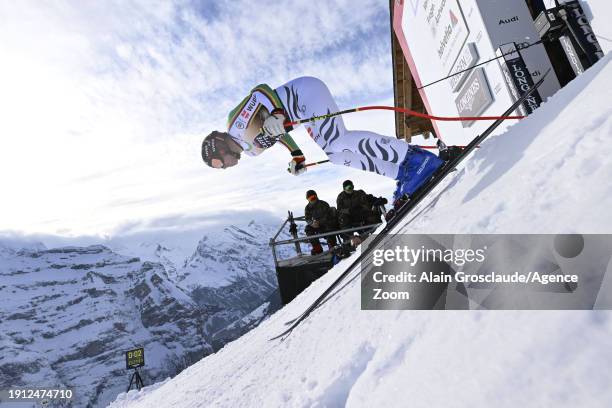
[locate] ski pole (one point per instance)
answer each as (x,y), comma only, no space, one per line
(436,147)
(316,163)
(313,164)
(383,210)
(402,110)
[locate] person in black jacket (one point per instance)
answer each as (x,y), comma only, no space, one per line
(356,208)
(320,218)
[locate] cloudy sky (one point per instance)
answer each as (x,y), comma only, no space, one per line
(104,105)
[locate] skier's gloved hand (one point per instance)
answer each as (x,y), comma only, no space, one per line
(297,165)
(273,125)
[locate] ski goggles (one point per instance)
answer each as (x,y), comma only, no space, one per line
(350,187)
(312,198)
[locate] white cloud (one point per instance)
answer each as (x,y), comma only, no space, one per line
(105,104)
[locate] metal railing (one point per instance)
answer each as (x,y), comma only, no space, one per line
(297,240)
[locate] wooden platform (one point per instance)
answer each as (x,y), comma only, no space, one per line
(406,94)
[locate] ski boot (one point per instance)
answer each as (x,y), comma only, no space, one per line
(418,166)
(416,169)
(448,153)
(398,202)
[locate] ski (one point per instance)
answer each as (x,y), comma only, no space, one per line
(419,195)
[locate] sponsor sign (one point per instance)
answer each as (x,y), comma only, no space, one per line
(474,97)
(511,22)
(512,89)
(444,37)
(583,31)
(572,54)
(467,59)
(239,123)
(519,77)
(508,20)
(447,27)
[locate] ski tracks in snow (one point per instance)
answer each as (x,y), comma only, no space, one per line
(337,393)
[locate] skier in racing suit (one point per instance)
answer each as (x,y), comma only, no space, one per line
(257,123)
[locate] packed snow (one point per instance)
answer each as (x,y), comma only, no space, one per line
(550,173)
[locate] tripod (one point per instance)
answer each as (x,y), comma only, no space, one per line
(135,376)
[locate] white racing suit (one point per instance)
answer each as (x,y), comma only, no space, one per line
(306,97)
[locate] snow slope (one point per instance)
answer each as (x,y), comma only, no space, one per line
(548,174)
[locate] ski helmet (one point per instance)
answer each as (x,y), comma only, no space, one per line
(214,146)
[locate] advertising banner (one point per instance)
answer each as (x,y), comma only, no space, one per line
(474,97)
(447,28)
(518,77)
(460,71)
(442,39)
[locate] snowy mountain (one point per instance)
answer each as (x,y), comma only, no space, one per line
(550,173)
(68,314)
(232,273)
